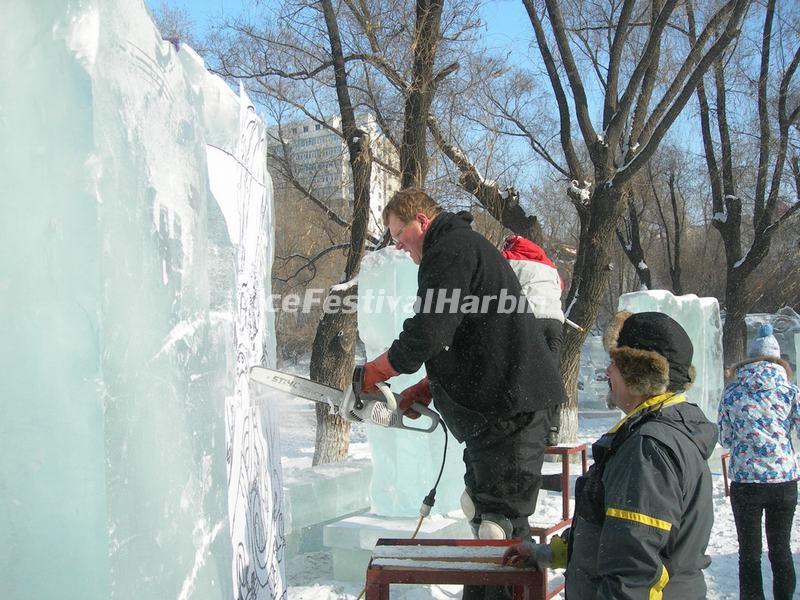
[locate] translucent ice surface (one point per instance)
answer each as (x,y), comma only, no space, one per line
(785,326)
(135,245)
(700,318)
(405,464)
(593,383)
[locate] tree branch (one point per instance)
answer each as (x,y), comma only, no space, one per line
(725,38)
(310,262)
(565,120)
(763,114)
(614,59)
(616,125)
(502,204)
(697,45)
(573,74)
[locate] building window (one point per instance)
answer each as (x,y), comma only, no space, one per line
(317,127)
(305,128)
(294,129)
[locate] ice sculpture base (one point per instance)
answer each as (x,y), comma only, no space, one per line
(316,496)
(351,540)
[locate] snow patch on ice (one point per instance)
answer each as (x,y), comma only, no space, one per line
(83,38)
(383,257)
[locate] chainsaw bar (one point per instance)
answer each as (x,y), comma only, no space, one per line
(298,386)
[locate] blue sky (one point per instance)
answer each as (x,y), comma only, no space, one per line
(508,29)
(506,22)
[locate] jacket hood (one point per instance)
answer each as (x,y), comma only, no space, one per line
(761,373)
(688,417)
(517,247)
(444,223)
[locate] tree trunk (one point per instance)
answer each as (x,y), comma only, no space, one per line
(734,331)
(332,361)
(589,282)
(570,367)
(333,352)
(413,150)
(675,267)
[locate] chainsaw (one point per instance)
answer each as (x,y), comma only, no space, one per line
(351,404)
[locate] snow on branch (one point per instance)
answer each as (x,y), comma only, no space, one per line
(581,194)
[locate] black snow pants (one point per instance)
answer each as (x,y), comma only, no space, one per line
(778,502)
(504,474)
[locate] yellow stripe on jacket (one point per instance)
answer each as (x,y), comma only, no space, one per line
(657,591)
(639,518)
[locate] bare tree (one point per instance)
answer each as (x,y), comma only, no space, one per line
(650,188)
(632,125)
(733,190)
(333,353)
(672,235)
(383,65)
(419,94)
(176,25)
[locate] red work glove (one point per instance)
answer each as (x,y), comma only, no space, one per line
(419,392)
(376,371)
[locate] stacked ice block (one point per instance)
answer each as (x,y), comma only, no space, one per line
(700,318)
(405,464)
(132,303)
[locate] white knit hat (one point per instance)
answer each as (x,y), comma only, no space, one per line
(765,344)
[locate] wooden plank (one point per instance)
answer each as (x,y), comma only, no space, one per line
(443,563)
(442,552)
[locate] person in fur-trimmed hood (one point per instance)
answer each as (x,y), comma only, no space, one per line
(643,511)
(758,411)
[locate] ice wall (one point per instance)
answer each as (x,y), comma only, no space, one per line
(135,260)
(405,463)
(593,380)
(785,325)
(700,318)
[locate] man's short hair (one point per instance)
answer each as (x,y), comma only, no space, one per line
(406,203)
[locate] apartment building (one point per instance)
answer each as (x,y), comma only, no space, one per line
(317,158)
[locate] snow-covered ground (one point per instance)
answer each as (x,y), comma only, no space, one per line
(310,575)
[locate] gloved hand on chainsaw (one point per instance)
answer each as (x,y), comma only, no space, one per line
(419,392)
(376,371)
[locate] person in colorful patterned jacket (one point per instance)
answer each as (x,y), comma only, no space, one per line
(758,411)
(643,511)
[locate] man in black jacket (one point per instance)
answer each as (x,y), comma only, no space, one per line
(489,369)
(643,512)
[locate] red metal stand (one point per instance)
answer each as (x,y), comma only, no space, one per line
(429,561)
(543,533)
(416,563)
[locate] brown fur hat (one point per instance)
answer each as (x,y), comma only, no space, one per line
(652,352)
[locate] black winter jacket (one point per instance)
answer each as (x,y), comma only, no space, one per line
(643,512)
(484,365)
